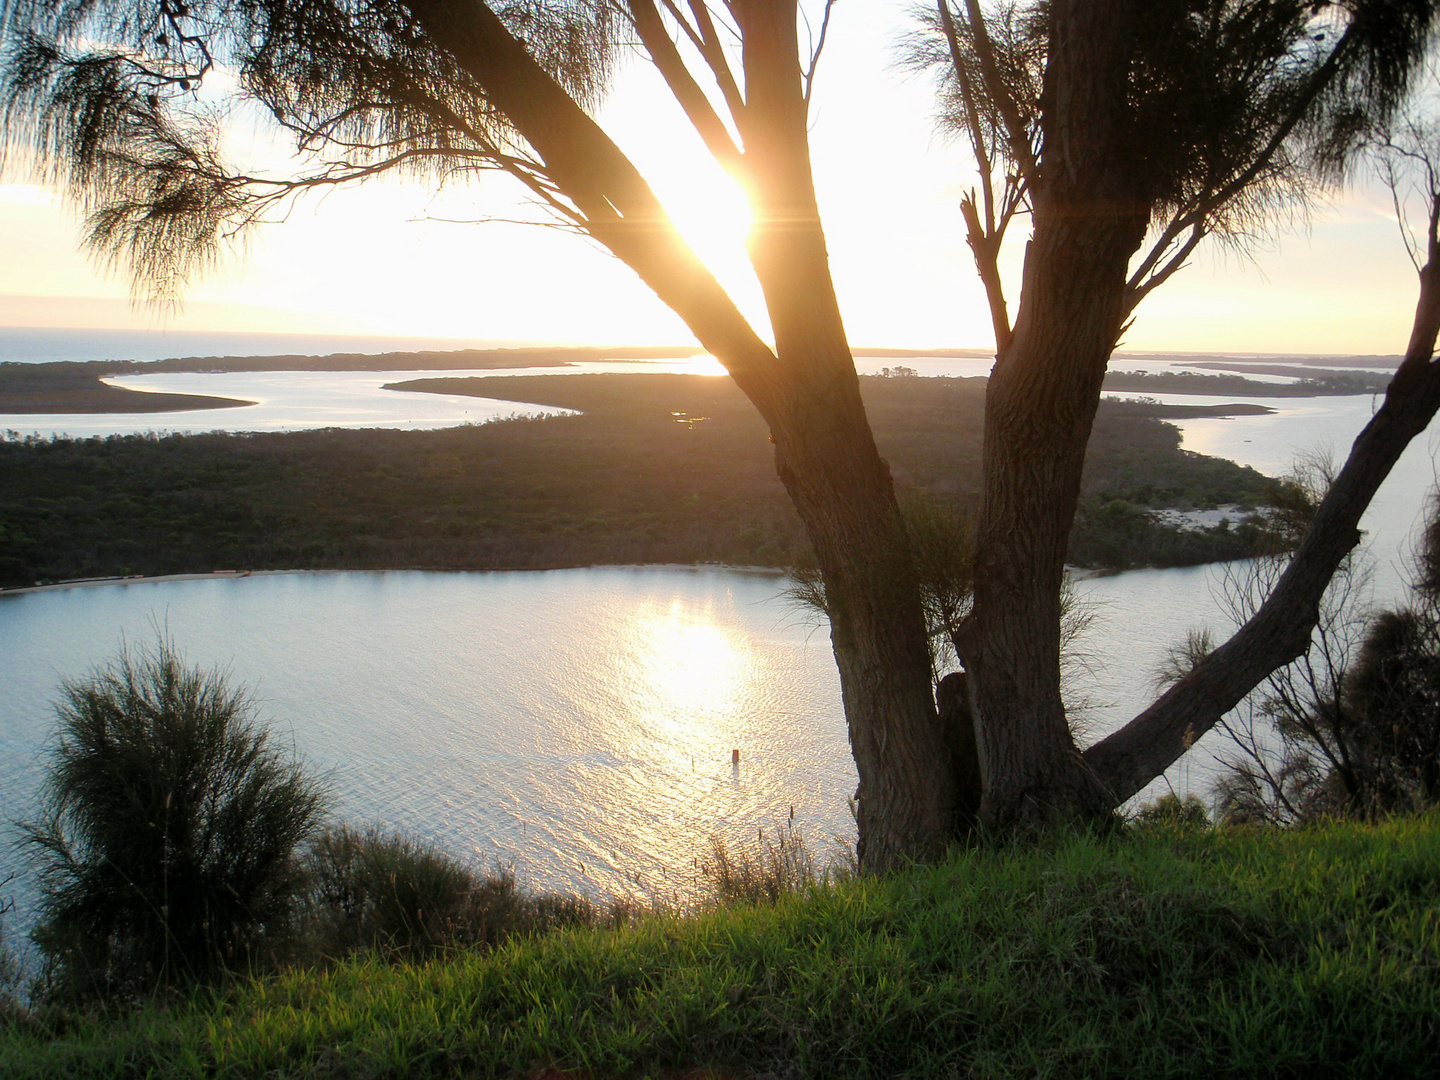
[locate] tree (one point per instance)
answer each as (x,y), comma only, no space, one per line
(169,829)
(1115,124)
(98,91)
(1352,729)
(103,94)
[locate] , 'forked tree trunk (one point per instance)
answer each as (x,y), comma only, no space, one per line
(806,389)
(1092,192)
(827,459)
(1039,407)
(1038,415)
